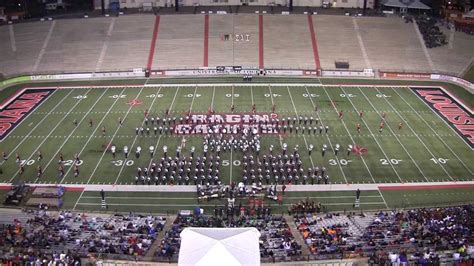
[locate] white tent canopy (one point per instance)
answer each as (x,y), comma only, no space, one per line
(219,246)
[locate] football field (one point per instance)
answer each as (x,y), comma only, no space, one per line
(414,144)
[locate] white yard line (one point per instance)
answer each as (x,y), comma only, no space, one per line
(376,141)
(43,48)
(113,136)
(361,43)
(97,127)
(136,135)
(231,150)
(104,46)
(12,37)
(416,135)
(271,93)
(322,124)
(396,137)
(192,101)
(381,195)
(50,132)
(350,136)
(435,133)
(213,94)
(159,138)
(89,139)
(70,134)
(251,94)
(296,113)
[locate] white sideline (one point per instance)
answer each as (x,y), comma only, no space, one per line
(32,112)
(50,132)
(18,145)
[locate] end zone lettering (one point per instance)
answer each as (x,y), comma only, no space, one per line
(458,117)
(228,124)
(13,113)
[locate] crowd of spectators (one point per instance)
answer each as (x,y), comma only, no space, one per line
(276,238)
(304,206)
(390,236)
(432,35)
(111,234)
(32,257)
(397,237)
(119,234)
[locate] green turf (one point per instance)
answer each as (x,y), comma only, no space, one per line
(469,75)
(415,145)
(171,202)
(429,198)
(411,150)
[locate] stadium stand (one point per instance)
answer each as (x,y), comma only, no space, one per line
(246,53)
(418,236)
(337,40)
(432,36)
(275,240)
(73,39)
(455,56)
(132,34)
(390,43)
(390,236)
(177,46)
(287,37)
(40,231)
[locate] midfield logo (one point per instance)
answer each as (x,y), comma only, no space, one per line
(454,113)
(228,124)
(19,107)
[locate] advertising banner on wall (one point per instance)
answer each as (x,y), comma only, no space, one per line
(402,75)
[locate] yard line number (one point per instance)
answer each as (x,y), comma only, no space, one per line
(347,95)
(66,163)
(390,161)
(439,160)
(268,95)
(234,162)
(341,162)
(312,95)
(154,96)
(192,95)
(229,95)
(121,162)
